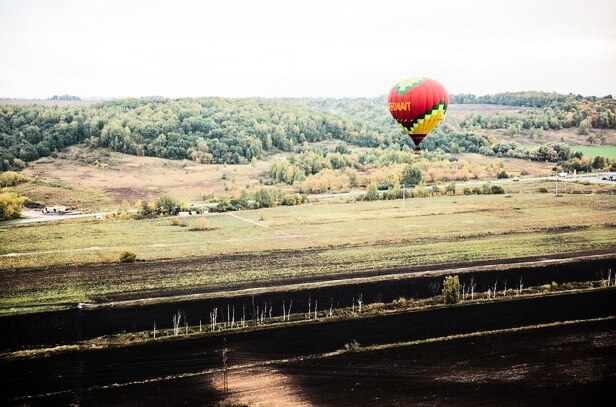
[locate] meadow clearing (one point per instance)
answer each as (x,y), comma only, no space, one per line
(285,242)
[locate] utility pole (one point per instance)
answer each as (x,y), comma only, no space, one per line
(225,373)
(556,184)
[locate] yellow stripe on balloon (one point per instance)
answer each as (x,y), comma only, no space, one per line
(425,125)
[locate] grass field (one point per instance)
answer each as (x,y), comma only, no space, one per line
(593,151)
(282,242)
(98,179)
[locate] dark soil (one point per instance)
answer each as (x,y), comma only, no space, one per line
(559,366)
(564,366)
(76,372)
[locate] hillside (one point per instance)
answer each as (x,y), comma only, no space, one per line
(235,131)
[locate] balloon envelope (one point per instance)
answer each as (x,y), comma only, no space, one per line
(418,104)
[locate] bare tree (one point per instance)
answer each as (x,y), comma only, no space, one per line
(464,291)
(213,318)
(284,314)
(233,317)
(200,328)
(331,306)
(494,291)
(520,286)
(309,306)
(315,309)
(154,331)
(360,301)
(472,287)
(504,287)
(289,313)
(176,322)
(353,305)
(253,308)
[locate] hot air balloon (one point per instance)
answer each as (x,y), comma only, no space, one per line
(418,104)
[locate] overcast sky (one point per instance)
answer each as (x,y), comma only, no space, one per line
(303,48)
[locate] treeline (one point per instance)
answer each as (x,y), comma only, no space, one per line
(64,97)
(208,130)
(221,130)
(527,99)
(552,110)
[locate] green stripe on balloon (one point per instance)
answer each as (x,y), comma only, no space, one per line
(408,86)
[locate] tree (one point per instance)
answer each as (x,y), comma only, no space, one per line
(599,162)
(497,189)
(411,176)
(167,205)
(264,199)
(372,193)
(451,290)
(502,175)
(584,128)
(11,205)
(145,209)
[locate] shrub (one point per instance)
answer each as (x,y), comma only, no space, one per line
(342,149)
(497,189)
(11,178)
(394,193)
(293,199)
(502,175)
(372,194)
(167,205)
(400,302)
(11,205)
(352,346)
(201,224)
(265,198)
(451,290)
(177,222)
(127,257)
(145,210)
(411,176)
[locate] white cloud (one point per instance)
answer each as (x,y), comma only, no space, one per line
(312,48)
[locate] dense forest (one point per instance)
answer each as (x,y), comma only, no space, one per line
(221,130)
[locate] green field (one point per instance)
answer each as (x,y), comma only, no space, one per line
(593,151)
(282,242)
